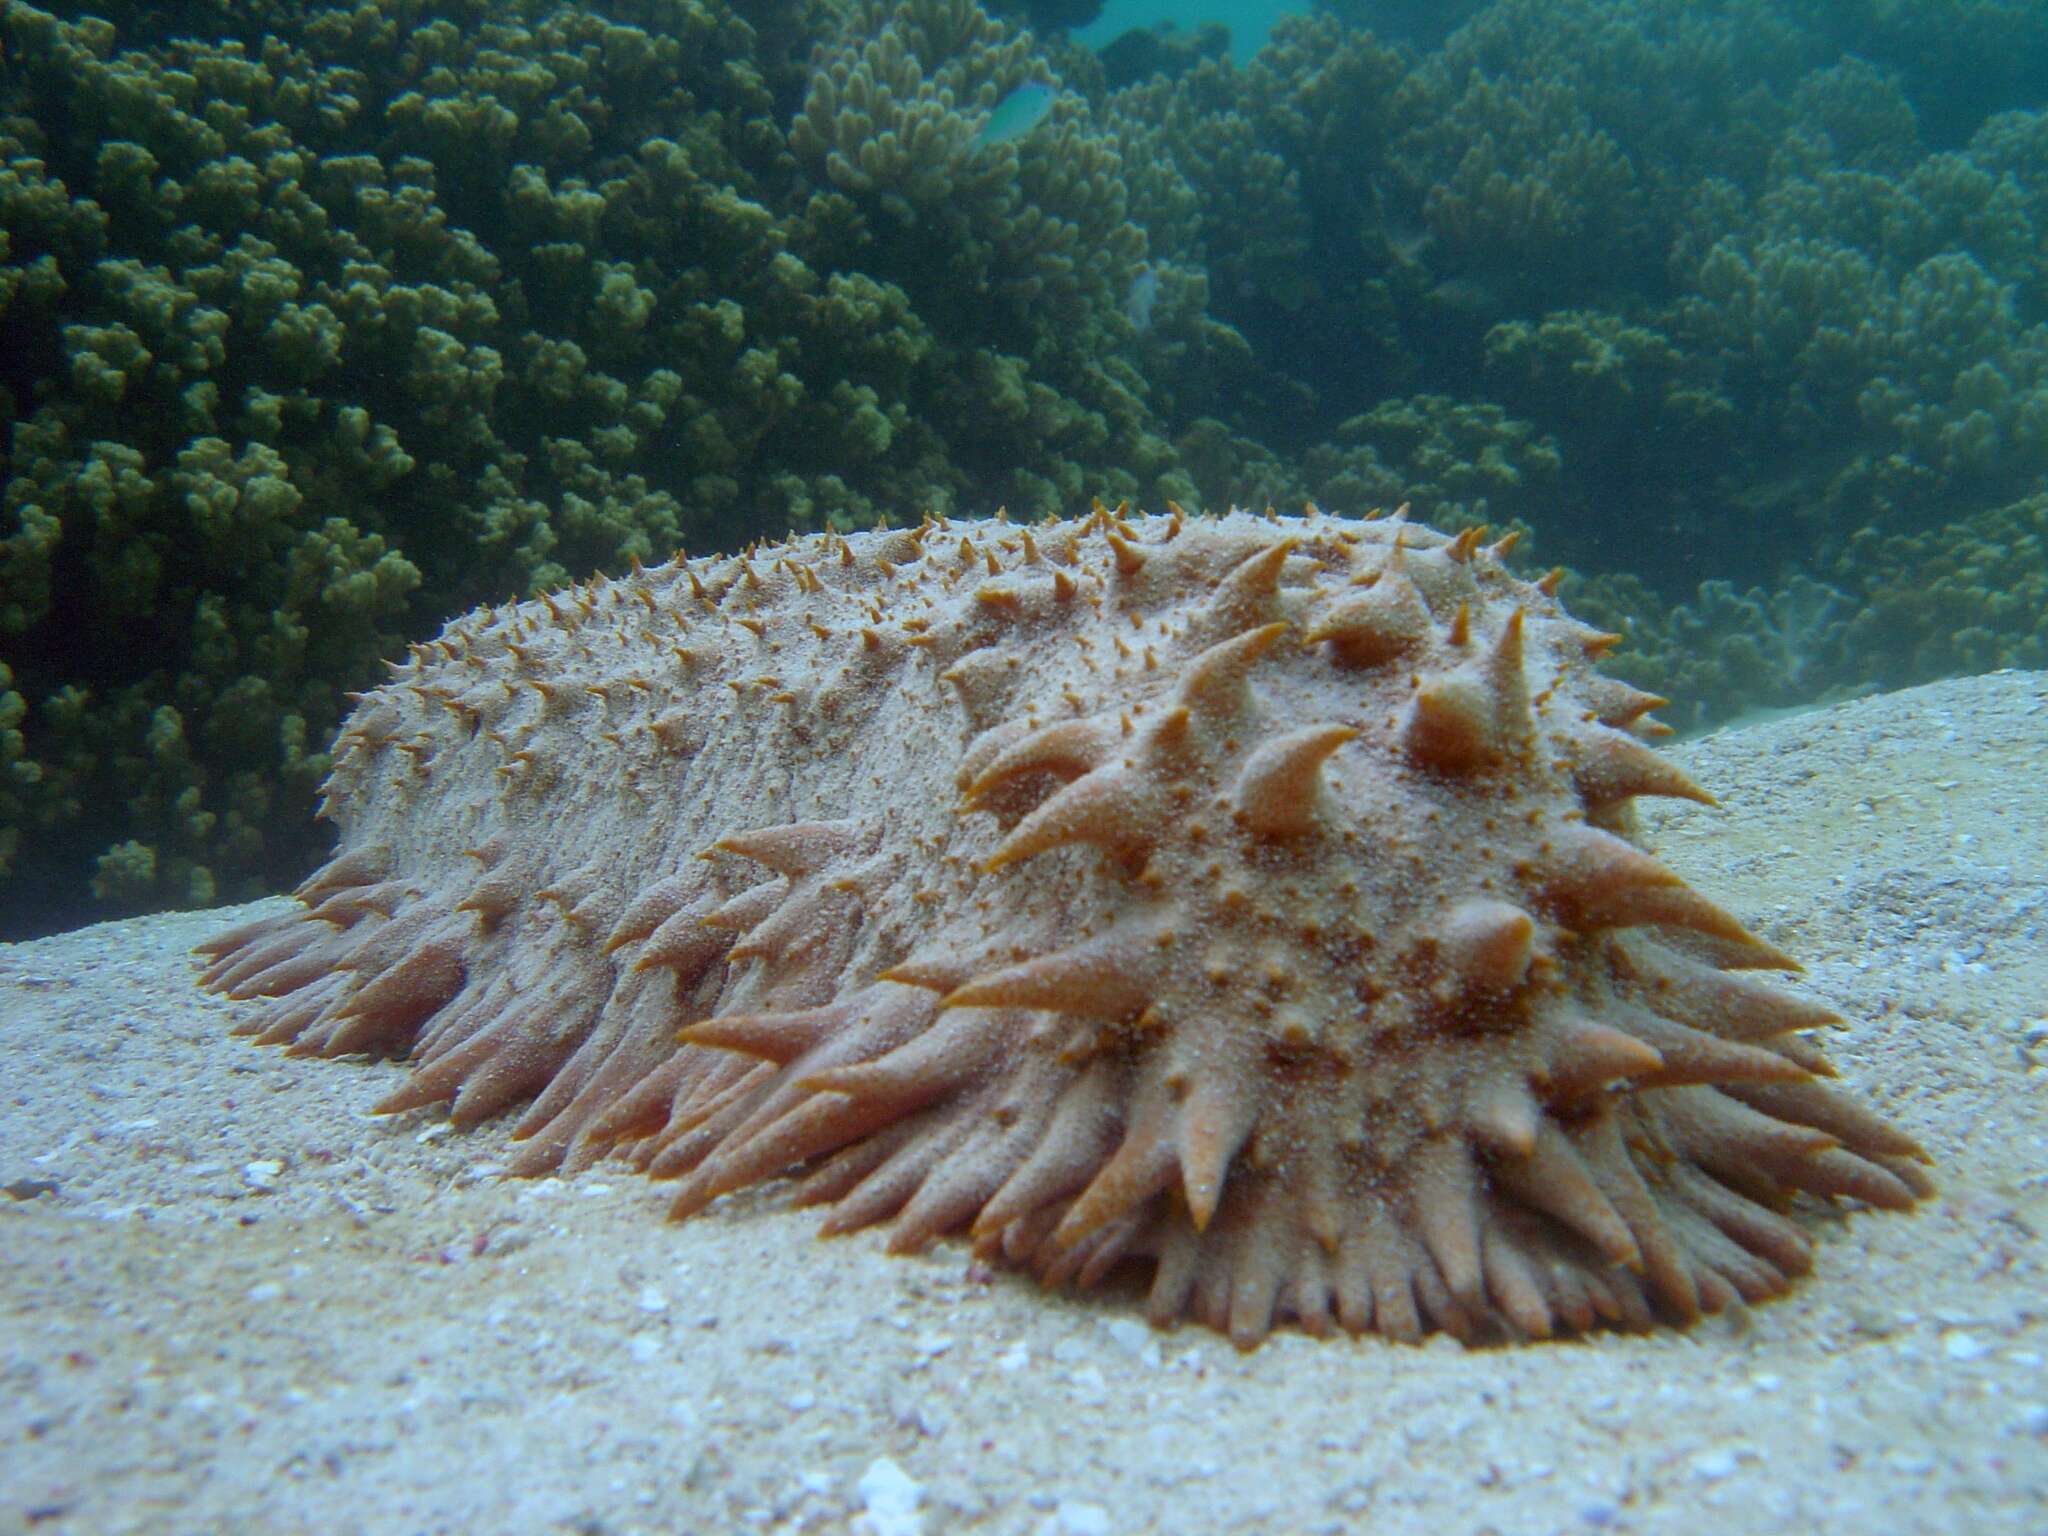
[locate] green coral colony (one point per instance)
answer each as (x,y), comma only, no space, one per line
(358,313)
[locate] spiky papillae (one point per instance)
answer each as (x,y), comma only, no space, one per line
(1252,898)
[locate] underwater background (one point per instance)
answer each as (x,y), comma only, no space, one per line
(321,322)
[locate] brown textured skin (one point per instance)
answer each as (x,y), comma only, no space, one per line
(1249,897)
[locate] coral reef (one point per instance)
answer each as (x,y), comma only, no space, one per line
(1895,610)
(1249,897)
(322,321)
(1461,464)
(311,340)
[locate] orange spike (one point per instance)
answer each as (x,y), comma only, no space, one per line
(360,866)
(1508,682)
(1129,558)
(1250,594)
(1808,1103)
(1556,1180)
(982,678)
(1615,703)
(404,994)
(1072,1148)
(1108,808)
(275,970)
(496,894)
(1695,1056)
(1803,1053)
(1511,1282)
(777,1037)
(649,910)
(1504,1118)
(1213,684)
(1166,736)
(1374,625)
(1143,1164)
(1486,945)
(1214,1121)
(1722,1003)
(1449,724)
(794,848)
(749,909)
(1104,978)
(1003,598)
(1613,767)
(1597,880)
(923,1067)
(1069,749)
(1599,642)
(1719,1131)
(934,973)
(985,748)
(1445,1189)
(1584,1056)
(1275,794)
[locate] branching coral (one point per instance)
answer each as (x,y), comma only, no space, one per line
(1524,191)
(362,312)
(1969,597)
(488,299)
(898,104)
(1458,464)
(1639,411)
(1260,178)
(1894,610)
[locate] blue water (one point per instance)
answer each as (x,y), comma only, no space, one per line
(1250,21)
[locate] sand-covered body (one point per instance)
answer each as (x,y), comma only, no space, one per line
(1248,897)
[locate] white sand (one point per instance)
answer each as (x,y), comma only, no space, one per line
(243,1304)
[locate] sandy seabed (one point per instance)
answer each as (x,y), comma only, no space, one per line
(231,1300)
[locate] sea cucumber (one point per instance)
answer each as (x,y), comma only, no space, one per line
(1248,899)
